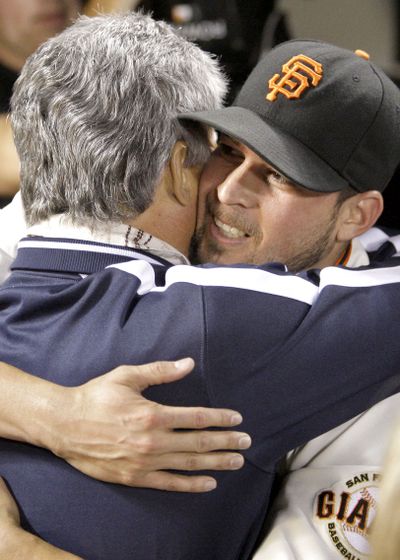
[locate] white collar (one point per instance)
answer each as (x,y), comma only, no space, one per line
(114,233)
(358,255)
(111,233)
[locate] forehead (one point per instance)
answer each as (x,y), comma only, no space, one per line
(247,152)
(260,163)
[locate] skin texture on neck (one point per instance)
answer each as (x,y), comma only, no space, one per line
(173,212)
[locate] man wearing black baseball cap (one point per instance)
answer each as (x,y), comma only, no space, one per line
(303,156)
(304,153)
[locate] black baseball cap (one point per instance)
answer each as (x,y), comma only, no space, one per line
(324,116)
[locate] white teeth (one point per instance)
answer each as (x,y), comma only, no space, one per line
(228,230)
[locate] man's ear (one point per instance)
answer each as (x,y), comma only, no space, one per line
(358,214)
(184,180)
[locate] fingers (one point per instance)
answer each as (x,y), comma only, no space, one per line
(179,483)
(201,462)
(196,442)
(192,418)
(155,373)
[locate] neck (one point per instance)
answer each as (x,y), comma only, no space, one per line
(110,233)
(166,228)
(172,223)
(343,258)
(338,255)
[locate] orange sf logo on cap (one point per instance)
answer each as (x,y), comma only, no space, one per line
(300,73)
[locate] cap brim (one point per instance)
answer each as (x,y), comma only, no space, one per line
(283,152)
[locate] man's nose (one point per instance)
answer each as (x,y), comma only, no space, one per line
(235,189)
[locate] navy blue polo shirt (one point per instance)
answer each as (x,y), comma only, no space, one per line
(279,348)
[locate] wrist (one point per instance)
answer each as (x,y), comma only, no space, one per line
(18,544)
(13,545)
(39,417)
(54,407)
(28,406)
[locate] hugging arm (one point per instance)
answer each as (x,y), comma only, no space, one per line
(17,544)
(108,430)
(9,169)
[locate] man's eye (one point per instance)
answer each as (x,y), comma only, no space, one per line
(226,151)
(275,177)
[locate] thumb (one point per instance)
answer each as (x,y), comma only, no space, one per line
(155,373)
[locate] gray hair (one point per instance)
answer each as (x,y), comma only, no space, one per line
(94,114)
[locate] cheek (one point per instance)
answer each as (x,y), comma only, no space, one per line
(201,205)
(208,178)
(279,210)
(209,181)
(304,212)
(285,220)
(215,171)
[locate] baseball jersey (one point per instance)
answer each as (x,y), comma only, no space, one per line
(329,496)
(279,348)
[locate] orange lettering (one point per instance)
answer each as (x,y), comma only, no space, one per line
(297,74)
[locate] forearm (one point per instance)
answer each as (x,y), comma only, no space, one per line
(9,168)
(30,407)
(18,544)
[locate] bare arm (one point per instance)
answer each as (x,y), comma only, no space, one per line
(108,430)
(9,162)
(17,544)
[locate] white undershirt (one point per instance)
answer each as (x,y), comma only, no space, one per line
(13,227)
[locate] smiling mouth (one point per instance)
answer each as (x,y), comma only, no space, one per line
(229,231)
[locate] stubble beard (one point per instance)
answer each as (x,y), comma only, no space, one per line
(310,255)
(303,257)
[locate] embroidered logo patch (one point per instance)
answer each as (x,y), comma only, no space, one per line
(300,73)
(344,514)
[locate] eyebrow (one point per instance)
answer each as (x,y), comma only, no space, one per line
(238,143)
(284,177)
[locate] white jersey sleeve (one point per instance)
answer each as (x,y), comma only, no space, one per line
(328,501)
